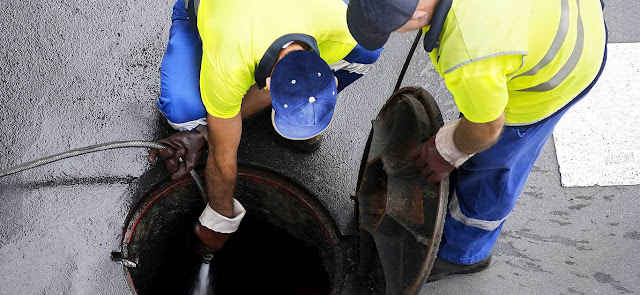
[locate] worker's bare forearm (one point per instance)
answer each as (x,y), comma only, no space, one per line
(473,138)
(221,180)
(222,166)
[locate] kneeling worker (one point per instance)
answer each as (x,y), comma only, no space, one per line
(214,73)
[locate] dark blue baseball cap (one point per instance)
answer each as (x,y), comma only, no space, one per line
(303,95)
(371,22)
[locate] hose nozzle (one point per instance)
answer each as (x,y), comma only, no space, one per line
(207,258)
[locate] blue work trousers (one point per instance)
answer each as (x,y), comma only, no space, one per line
(486,188)
(180,100)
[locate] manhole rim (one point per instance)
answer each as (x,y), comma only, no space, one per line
(323,217)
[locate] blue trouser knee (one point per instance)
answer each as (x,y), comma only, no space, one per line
(486,187)
(180,100)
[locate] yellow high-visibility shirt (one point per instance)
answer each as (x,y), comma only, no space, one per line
(528,58)
(237,33)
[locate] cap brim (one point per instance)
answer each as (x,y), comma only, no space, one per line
(366,35)
(292,131)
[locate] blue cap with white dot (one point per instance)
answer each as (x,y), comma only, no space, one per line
(303,95)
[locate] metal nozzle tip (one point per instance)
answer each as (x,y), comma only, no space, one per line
(207,258)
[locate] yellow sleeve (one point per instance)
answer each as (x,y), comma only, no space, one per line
(222,88)
(480,88)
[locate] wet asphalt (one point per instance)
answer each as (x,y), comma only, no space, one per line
(76,74)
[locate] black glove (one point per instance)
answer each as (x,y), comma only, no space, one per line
(186,145)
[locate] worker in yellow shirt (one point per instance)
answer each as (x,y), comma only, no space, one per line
(514,68)
(226,60)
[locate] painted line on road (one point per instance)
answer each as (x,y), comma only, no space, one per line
(598,140)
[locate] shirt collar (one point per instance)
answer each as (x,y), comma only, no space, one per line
(437,22)
(271,55)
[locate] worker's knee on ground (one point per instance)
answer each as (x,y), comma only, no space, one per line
(180,100)
(182,109)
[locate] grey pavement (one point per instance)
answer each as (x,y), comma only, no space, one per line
(79,73)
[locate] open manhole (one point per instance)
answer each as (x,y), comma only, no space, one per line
(286,244)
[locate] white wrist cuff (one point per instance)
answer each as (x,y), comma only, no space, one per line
(446,145)
(220,223)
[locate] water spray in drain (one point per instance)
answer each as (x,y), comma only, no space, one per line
(202,281)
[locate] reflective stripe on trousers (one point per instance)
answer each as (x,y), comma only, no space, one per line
(487,188)
(488,185)
(456,213)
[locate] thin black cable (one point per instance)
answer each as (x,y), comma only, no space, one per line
(408,60)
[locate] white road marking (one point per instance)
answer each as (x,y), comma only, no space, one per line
(598,140)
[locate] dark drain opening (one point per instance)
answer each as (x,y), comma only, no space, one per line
(264,259)
(287,243)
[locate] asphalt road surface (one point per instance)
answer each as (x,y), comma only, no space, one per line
(74,74)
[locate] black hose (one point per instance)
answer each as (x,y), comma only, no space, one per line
(96,148)
(201,186)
